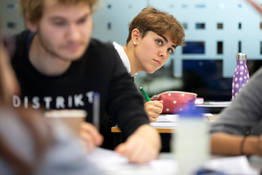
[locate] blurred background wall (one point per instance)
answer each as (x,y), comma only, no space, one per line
(216,30)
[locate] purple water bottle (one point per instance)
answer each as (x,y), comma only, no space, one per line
(241,75)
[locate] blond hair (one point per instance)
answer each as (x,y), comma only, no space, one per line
(32,10)
(151,19)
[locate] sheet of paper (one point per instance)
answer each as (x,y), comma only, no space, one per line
(112,163)
(165,121)
(171,120)
(232,165)
(216,104)
(167,125)
(167,118)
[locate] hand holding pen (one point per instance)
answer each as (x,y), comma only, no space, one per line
(152,108)
(90,133)
(145,94)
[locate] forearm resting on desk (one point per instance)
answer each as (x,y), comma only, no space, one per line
(228,144)
(142,146)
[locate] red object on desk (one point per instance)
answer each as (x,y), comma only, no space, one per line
(175,101)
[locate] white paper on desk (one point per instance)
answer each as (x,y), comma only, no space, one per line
(232,165)
(112,163)
(165,121)
(174,117)
(221,104)
(107,160)
(170,125)
(167,118)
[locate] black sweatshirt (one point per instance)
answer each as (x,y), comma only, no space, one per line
(99,70)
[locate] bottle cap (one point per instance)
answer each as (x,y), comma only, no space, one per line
(192,112)
(241,57)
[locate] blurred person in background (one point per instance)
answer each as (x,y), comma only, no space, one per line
(29,144)
(153,37)
(238,130)
(59,66)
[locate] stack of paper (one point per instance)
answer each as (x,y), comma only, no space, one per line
(166,121)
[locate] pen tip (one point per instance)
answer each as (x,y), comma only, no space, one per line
(140,87)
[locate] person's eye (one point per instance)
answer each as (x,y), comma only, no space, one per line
(159,42)
(59,23)
(170,51)
(81,21)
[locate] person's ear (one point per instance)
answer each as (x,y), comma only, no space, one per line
(31,26)
(135,36)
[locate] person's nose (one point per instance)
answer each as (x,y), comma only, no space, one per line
(163,53)
(73,33)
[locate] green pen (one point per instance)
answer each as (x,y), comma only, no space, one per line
(144,93)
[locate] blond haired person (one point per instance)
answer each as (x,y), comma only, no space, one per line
(59,66)
(153,37)
(29,144)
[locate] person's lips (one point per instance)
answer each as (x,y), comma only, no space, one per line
(157,62)
(73,47)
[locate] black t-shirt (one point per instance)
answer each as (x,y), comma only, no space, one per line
(99,70)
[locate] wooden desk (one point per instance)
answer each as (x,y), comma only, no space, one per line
(115,129)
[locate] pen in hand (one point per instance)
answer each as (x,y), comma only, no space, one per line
(145,94)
